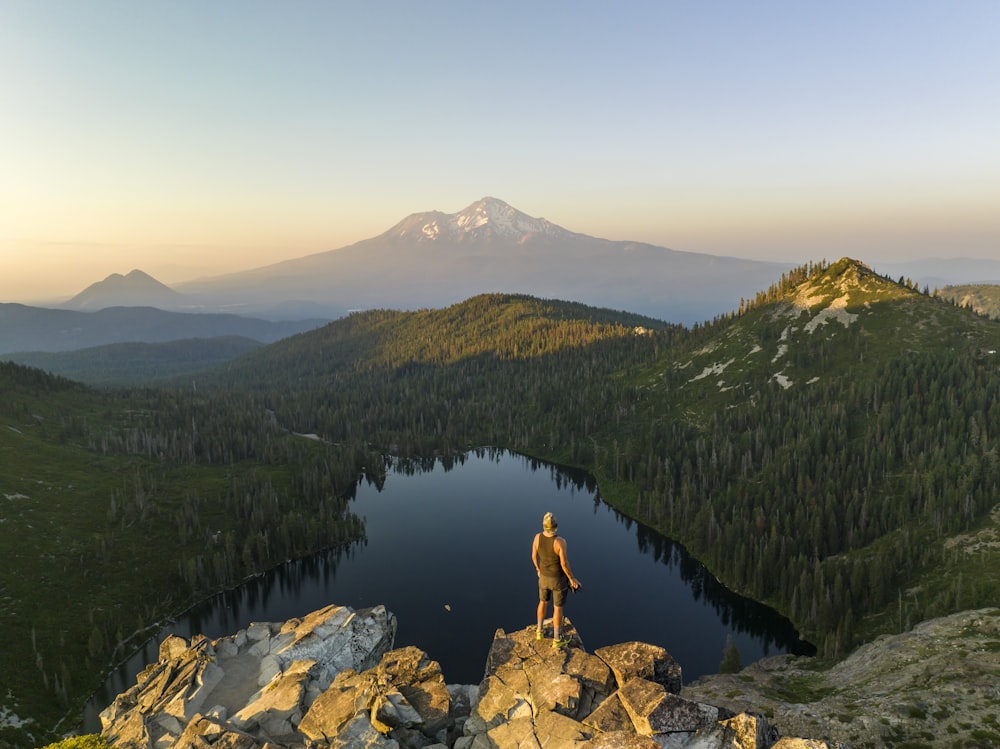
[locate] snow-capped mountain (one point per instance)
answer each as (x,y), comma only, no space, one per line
(484,221)
(434,259)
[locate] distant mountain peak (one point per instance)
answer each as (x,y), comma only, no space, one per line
(136,289)
(133,278)
(486,219)
(844,282)
(434,259)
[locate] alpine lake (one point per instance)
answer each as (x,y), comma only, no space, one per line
(447,549)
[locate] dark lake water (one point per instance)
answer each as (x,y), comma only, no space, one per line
(448,551)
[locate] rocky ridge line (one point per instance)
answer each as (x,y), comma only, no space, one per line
(332,679)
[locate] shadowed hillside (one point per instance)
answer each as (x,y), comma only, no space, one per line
(136,363)
(24,328)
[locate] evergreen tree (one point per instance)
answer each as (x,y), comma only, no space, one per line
(731,662)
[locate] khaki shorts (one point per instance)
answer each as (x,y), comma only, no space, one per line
(556,587)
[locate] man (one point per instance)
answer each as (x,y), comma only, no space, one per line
(555,578)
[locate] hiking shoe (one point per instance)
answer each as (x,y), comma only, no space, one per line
(560,642)
(539,635)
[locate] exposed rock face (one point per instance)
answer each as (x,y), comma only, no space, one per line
(632,659)
(404,696)
(254,686)
(620,696)
(331,679)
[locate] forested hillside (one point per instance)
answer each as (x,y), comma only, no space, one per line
(24,328)
(119,364)
(106,529)
(816,449)
(819,450)
(126,507)
(983,298)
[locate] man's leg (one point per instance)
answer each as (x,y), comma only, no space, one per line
(541,614)
(557,617)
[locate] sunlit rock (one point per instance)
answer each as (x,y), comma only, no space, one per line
(265,677)
(331,679)
(629,660)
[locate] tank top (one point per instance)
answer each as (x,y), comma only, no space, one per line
(548,560)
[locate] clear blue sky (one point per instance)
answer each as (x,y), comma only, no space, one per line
(190,138)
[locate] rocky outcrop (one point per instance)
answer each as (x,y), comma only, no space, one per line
(250,688)
(333,680)
(404,697)
(620,696)
(935,686)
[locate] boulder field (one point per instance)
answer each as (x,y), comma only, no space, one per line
(333,679)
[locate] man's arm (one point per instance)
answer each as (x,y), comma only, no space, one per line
(560,548)
(534,555)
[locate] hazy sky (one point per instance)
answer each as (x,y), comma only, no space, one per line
(190,138)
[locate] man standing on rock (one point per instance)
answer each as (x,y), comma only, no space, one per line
(555,578)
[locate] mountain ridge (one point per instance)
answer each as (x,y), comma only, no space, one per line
(485,220)
(983,298)
(791,335)
(434,259)
(135,289)
(136,363)
(33,329)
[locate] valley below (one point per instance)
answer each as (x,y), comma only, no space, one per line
(827,449)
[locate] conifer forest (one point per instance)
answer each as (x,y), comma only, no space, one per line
(819,466)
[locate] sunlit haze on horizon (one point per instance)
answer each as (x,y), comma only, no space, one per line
(195,139)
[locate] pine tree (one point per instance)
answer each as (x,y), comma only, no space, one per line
(731,662)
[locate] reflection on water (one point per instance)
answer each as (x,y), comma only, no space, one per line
(447,549)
